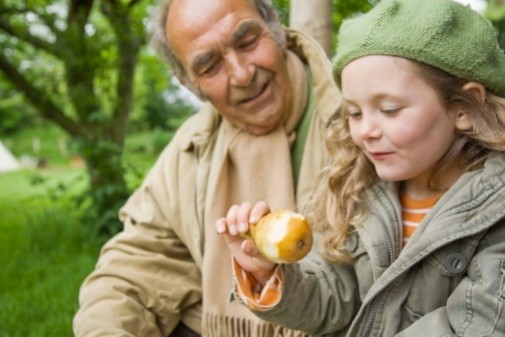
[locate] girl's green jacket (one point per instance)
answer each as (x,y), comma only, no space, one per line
(449,280)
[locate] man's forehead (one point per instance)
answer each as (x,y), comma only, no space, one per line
(188,13)
(239,32)
(213,21)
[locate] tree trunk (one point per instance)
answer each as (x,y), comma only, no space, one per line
(313,17)
(99,128)
(107,186)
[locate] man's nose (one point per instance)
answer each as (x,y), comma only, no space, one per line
(240,70)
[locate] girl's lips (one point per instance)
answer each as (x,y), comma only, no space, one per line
(380,155)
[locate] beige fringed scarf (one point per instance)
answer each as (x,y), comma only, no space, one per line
(249,168)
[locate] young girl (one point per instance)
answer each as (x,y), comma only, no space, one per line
(412,208)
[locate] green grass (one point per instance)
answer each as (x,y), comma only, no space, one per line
(45,254)
(142,149)
(41,142)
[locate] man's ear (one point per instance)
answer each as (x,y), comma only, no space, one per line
(189,85)
(477,90)
(182,81)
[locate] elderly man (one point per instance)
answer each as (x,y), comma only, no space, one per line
(260,136)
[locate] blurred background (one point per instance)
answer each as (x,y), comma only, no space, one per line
(85,109)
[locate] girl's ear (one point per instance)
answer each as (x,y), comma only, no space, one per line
(476,89)
(463,120)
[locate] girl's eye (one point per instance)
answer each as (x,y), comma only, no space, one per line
(390,111)
(354,114)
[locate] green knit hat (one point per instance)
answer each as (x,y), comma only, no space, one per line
(441,33)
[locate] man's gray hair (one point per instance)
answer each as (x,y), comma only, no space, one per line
(158,38)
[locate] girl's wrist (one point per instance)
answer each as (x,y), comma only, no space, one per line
(263,276)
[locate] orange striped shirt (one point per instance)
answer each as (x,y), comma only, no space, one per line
(413,212)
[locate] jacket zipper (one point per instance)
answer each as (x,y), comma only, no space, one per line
(371,317)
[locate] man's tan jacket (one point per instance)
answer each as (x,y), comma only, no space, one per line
(148,277)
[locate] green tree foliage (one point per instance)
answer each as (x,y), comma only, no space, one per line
(81,64)
(348,8)
(14,112)
(341,10)
(159,104)
(282,7)
(75,61)
(495,12)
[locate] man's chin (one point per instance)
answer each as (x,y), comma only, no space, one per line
(261,123)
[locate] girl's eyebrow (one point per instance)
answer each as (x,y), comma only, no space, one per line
(348,100)
(377,97)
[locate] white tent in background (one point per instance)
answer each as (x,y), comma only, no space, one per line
(7,161)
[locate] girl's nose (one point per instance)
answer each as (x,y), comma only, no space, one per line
(369,128)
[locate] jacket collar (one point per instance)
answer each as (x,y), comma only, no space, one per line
(303,45)
(471,206)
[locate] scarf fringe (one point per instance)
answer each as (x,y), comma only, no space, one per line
(223,326)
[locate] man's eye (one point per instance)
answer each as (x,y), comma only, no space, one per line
(210,69)
(247,43)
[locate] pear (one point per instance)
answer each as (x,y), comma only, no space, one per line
(282,236)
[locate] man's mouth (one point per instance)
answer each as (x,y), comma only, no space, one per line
(256,95)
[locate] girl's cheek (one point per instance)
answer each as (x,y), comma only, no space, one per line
(355,138)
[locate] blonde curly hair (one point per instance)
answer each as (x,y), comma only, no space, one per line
(337,207)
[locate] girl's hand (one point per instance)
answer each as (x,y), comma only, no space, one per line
(234,227)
